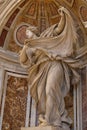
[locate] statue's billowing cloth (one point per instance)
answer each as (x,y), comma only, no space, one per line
(51,59)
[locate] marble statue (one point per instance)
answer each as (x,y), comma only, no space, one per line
(52,62)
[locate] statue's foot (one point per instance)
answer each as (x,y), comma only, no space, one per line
(41,119)
(43,124)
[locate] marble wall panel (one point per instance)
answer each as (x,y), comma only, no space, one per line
(15,104)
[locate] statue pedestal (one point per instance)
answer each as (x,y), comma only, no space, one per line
(42,128)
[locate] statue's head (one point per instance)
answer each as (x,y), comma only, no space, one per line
(31,31)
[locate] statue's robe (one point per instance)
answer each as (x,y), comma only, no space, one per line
(53,68)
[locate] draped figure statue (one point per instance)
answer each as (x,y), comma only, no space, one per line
(52,64)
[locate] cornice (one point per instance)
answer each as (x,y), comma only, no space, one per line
(9,60)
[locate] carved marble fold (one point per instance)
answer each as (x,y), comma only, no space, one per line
(52,63)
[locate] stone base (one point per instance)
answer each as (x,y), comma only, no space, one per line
(42,128)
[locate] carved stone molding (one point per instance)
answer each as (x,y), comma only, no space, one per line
(6,8)
(10,62)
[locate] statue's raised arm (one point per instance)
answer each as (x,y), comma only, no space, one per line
(62,37)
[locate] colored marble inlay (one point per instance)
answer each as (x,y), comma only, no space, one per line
(3,36)
(15,104)
(12,17)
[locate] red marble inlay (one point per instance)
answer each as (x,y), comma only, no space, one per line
(12,17)
(3,36)
(15,104)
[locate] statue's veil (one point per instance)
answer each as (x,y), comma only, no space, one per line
(61,44)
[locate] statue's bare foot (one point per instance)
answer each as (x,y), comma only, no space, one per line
(42,121)
(43,124)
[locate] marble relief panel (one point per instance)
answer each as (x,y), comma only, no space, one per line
(15,104)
